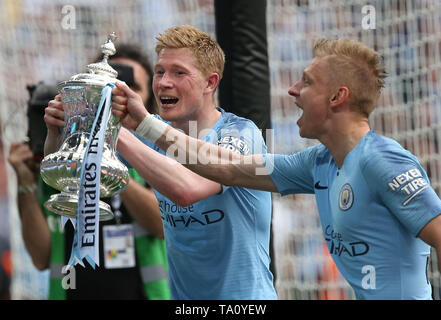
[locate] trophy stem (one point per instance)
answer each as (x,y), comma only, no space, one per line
(66,204)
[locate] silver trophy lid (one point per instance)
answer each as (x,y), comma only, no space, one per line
(99,73)
(108,49)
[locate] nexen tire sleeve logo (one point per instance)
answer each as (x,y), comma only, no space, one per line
(410,183)
(234,144)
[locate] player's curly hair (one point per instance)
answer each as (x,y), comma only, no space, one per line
(209,55)
(356,66)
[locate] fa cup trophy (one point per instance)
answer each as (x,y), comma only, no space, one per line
(81,97)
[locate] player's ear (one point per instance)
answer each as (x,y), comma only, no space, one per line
(212,81)
(340,95)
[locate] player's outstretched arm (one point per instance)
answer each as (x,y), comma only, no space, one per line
(203,158)
(431,234)
(208,160)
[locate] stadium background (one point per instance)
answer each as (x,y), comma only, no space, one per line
(42,40)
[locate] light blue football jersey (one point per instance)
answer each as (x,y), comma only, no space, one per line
(218,248)
(371,211)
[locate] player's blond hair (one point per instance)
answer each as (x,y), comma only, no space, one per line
(356,66)
(207,52)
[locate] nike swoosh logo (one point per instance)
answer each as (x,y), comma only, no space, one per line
(318,186)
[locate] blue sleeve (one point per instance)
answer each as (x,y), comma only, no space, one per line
(403,186)
(292,173)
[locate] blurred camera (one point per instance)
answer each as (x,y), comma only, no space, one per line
(125,72)
(40,95)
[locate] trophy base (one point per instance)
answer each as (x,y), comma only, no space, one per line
(67,204)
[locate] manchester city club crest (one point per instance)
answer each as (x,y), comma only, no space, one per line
(346,198)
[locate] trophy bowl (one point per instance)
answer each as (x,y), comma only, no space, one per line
(61,170)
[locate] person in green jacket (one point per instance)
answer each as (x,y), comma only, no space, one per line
(142,271)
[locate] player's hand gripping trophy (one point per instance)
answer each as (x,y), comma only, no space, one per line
(81,97)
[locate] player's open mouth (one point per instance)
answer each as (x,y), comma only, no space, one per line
(168,100)
(299,113)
